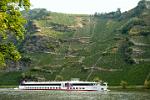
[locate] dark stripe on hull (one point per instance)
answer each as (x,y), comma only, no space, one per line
(59,89)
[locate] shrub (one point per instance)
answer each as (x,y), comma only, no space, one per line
(127,26)
(59,78)
(36,69)
(124,84)
(27,76)
(26,59)
(147,84)
(96,79)
(145,33)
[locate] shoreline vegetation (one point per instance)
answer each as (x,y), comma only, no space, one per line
(135,88)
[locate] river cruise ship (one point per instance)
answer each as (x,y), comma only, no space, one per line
(64,85)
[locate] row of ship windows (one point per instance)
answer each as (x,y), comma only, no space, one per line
(43,87)
(53,88)
(76,88)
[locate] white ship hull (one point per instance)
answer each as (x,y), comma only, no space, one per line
(64,86)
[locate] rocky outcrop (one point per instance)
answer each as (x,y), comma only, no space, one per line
(40,43)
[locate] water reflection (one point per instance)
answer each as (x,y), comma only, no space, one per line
(6,94)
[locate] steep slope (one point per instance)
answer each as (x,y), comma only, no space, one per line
(111,46)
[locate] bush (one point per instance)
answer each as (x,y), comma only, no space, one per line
(124,84)
(59,78)
(36,69)
(132,22)
(147,84)
(96,79)
(27,76)
(26,59)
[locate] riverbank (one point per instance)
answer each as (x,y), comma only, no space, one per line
(8,86)
(129,88)
(111,88)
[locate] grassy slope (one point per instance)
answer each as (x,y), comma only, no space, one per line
(101,33)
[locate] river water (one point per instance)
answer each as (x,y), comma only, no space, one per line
(10,94)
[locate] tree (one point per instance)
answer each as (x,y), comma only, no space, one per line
(11,28)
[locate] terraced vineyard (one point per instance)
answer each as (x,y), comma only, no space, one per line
(65,46)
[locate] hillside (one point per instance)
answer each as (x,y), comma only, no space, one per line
(112,46)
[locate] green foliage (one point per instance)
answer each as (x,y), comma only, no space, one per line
(147,84)
(145,31)
(28,76)
(59,78)
(8,51)
(129,24)
(124,84)
(142,4)
(2,59)
(128,50)
(11,28)
(26,59)
(36,13)
(10,78)
(96,79)
(135,12)
(113,15)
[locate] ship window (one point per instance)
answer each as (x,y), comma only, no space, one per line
(73,88)
(41,84)
(103,84)
(83,88)
(82,84)
(76,87)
